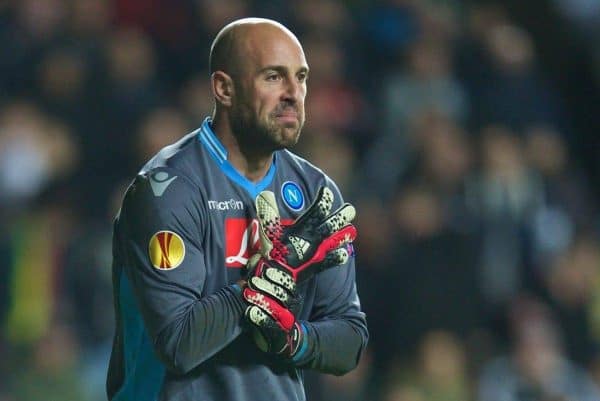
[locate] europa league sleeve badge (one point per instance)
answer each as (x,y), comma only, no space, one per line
(166,250)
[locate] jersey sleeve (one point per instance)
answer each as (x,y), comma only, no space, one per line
(337,328)
(160,233)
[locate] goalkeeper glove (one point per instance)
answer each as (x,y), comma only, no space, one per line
(272,336)
(274,305)
(314,242)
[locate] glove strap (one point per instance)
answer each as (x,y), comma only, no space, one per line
(303,347)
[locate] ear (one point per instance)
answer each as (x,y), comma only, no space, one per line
(222,87)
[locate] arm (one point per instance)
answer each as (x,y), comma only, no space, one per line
(337,329)
(186,326)
(317,240)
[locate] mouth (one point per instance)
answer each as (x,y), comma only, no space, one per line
(287,117)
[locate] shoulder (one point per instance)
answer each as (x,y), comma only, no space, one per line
(307,170)
(161,199)
(170,177)
(161,185)
(164,186)
(286,158)
(181,155)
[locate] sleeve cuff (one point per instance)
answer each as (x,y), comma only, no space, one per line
(299,357)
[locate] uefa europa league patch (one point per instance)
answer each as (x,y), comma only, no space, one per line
(292,195)
(166,250)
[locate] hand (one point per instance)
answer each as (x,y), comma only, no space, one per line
(316,241)
(274,304)
(273,337)
(273,309)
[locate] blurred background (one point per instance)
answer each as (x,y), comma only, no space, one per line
(467,133)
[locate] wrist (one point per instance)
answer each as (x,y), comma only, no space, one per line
(302,350)
(241,284)
(238,287)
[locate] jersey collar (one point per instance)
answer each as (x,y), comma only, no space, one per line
(219,154)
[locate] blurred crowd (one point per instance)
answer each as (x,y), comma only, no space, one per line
(466,133)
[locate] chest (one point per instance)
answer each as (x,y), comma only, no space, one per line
(232,232)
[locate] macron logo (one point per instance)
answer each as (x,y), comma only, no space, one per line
(160,181)
(230,204)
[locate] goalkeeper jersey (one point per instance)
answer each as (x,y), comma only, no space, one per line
(183,235)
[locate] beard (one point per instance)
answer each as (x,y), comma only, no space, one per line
(269,135)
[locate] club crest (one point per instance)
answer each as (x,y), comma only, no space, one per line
(292,196)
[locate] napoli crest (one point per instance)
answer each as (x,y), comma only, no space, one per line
(292,195)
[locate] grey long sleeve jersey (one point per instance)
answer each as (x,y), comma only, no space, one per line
(181,240)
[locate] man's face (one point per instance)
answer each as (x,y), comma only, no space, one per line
(268,107)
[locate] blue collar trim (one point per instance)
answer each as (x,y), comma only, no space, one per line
(210,140)
(219,154)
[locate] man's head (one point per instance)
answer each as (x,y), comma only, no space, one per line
(258,74)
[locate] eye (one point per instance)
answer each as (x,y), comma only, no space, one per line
(303,76)
(273,76)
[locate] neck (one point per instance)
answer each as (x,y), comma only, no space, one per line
(250,163)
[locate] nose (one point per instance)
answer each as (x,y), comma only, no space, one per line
(293,90)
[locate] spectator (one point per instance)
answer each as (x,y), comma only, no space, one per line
(536,368)
(503,196)
(515,94)
(441,373)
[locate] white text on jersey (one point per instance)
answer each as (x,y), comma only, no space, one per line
(230,204)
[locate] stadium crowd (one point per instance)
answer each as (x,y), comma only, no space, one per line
(465,132)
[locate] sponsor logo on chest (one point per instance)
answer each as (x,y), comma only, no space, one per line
(231,204)
(242,240)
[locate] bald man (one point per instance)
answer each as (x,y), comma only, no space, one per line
(191,255)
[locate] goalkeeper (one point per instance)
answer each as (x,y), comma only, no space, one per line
(233,266)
